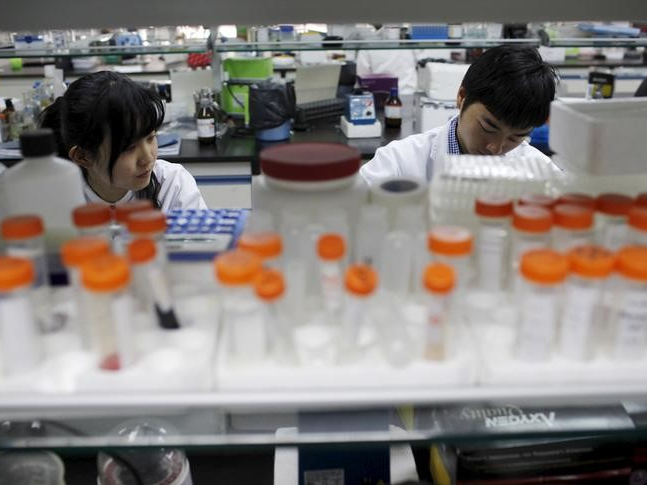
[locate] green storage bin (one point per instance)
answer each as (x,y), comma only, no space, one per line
(247,69)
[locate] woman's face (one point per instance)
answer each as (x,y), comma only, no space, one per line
(131,171)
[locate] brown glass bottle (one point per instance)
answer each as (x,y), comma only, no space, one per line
(393,110)
(206,121)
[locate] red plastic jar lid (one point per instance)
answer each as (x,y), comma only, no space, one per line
(310,162)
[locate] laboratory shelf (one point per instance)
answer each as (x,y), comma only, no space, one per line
(198,47)
(598,42)
(230,420)
(239,46)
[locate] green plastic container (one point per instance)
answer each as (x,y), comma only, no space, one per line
(245,69)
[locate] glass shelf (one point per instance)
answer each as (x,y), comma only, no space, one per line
(235,46)
(598,42)
(106,50)
(217,420)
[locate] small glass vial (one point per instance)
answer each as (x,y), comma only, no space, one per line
(241,316)
(331,249)
(531,230)
(150,285)
(439,281)
(581,319)
(24,238)
(573,226)
(270,289)
(576,198)
(74,254)
(543,272)
(93,219)
(493,241)
(638,226)
(121,214)
(360,281)
(21,345)
(629,314)
(106,281)
(150,224)
(611,221)
(452,245)
(540,200)
(267,245)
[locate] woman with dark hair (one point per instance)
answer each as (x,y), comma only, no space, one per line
(107,125)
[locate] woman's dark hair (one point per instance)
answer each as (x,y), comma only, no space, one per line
(514,84)
(105,104)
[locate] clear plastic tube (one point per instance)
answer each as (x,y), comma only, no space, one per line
(539,306)
(396,265)
(243,321)
(372,228)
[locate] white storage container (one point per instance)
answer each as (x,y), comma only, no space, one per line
(601,137)
(310,178)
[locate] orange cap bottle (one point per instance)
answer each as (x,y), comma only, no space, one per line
(493,206)
(269,284)
(360,279)
(613,204)
(574,198)
(638,218)
(450,241)
(15,228)
(141,251)
(76,252)
(641,200)
(105,274)
(544,266)
(532,218)
(237,267)
(266,244)
(575,217)
(540,200)
(15,273)
(591,261)
(331,247)
(147,222)
(631,262)
(91,215)
(439,278)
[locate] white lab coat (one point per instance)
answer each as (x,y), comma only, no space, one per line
(178,189)
(416,155)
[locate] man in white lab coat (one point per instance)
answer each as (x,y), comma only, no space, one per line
(504,95)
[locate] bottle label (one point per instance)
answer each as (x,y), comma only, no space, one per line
(206,128)
(492,253)
(537,329)
(577,321)
(393,112)
(631,326)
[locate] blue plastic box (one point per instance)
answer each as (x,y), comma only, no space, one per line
(422,32)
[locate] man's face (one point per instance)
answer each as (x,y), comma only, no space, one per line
(480,133)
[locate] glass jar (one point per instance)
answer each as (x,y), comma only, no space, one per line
(611,221)
(629,314)
(573,226)
(581,319)
(493,241)
(543,272)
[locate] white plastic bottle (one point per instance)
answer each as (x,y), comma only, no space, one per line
(439,280)
(43,184)
(493,241)
(543,272)
(150,224)
(629,315)
(21,347)
(531,229)
(581,318)
(573,226)
(453,245)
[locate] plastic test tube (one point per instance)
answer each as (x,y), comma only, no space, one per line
(613,210)
(638,226)
(241,316)
(371,230)
(412,219)
(93,219)
(439,280)
(629,315)
(361,282)
(331,249)
(21,347)
(267,245)
(270,288)
(121,214)
(396,266)
(452,245)
(543,271)
(74,254)
(151,288)
(150,224)
(493,241)
(573,226)
(24,238)
(106,281)
(581,316)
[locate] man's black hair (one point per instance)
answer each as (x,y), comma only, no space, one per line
(514,84)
